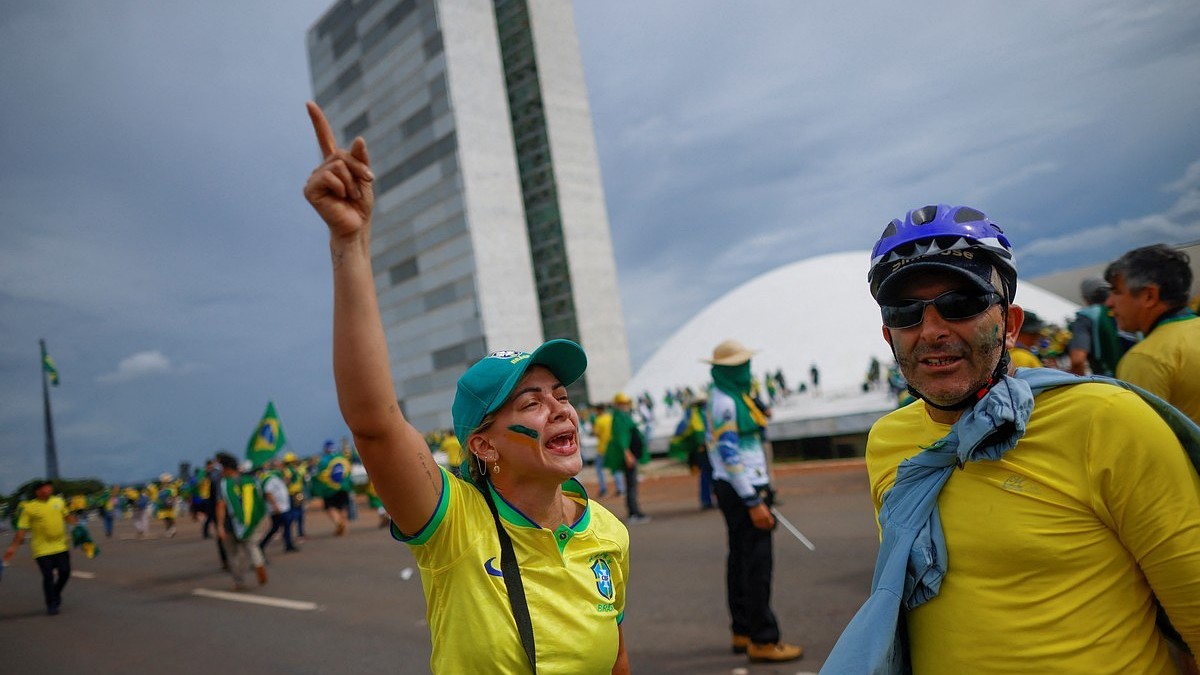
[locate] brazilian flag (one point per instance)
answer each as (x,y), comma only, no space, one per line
(333,476)
(268,438)
(244,503)
(81,538)
(48,366)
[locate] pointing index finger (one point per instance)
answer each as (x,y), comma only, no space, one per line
(325,137)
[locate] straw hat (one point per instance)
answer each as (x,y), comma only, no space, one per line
(730,353)
(620,398)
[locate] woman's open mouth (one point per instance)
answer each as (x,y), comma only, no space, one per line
(562,444)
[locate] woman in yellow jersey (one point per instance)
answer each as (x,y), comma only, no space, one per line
(521,571)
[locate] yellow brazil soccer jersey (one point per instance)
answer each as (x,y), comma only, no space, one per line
(574,580)
(1167,364)
(1052,551)
(46,522)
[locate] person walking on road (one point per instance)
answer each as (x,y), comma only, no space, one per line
(626,450)
(45,518)
(279,507)
(521,570)
(332,484)
(240,507)
(742,485)
(1032,521)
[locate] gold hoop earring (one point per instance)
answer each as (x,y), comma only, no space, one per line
(496,469)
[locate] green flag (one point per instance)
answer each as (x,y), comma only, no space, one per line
(48,366)
(268,438)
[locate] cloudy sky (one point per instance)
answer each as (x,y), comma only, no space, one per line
(152,154)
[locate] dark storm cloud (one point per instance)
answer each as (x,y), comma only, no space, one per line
(153,153)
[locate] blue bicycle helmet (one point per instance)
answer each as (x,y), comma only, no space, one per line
(958,238)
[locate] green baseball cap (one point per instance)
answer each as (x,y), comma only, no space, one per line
(487,384)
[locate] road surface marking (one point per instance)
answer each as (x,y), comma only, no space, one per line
(256,599)
(83,575)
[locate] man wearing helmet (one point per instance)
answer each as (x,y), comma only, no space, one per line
(1027,538)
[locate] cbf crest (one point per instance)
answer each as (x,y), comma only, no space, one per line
(604,582)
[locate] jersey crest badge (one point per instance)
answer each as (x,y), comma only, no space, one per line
(604,582)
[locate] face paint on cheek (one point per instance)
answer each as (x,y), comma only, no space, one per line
(986,344)
(528,437)
(525,431)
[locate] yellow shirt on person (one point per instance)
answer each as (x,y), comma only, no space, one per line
(602,430)
(46,522)
(453,450)
(1056,551)
(1023,358)
(1167,364)
(574,578)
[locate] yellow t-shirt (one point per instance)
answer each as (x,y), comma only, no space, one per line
(602,430)
(1167,364)
(1023,358)
(47,525)
(574,579)
(1053,550)
(453,450)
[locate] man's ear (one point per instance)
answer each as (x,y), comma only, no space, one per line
(1016,318)
(887,337)
(1153,294)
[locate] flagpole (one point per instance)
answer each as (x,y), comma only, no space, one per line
(51,452)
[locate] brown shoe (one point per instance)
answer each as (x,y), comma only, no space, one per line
(740,643)
(262,574)
(775,651)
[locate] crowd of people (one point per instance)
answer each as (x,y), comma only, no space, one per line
(1069,504)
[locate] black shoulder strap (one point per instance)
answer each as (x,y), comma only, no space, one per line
(512,582)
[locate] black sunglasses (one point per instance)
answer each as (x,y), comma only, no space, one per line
(952,305)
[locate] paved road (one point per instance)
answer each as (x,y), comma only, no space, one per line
(136,607)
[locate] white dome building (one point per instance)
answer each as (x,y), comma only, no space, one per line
(815,311)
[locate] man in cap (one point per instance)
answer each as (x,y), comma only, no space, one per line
(1096,344)
(1150,287)
(626,449)
(742,484)
(45,517)
(1019,534)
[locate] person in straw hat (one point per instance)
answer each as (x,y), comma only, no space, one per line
(743,488)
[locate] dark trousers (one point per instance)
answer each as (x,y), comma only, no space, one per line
(210,514)
(747,569)
(279,521)
(631,490)
(52,586)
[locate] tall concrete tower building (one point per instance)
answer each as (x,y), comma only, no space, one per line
(490,227)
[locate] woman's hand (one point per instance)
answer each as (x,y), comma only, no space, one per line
(341,189)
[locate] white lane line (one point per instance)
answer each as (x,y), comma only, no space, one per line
(83,575)
(256,599)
